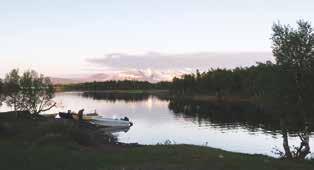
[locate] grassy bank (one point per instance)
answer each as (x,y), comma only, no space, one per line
(51,157)
(44,143)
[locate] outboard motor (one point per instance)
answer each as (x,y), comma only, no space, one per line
(125,119)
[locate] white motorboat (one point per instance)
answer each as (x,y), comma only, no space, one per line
(96,119)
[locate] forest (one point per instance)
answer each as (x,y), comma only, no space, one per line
(115,85)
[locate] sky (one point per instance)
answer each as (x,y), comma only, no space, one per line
(64,38)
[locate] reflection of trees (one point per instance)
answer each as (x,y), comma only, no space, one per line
(251,116)
(113,97)
(127,97)
(243,113)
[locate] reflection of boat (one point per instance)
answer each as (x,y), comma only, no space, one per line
(111,130)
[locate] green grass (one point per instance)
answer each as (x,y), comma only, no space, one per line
(57,157)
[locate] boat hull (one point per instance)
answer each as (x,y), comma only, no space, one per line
(110,122)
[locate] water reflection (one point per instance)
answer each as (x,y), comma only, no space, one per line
(252,117)
(127,97)
(113,97)
(226,115)
(243,114)
(240,127)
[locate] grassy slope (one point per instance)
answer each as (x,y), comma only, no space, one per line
(147,157)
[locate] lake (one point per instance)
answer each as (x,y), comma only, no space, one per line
(158,120)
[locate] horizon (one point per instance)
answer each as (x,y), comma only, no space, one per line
(70,39)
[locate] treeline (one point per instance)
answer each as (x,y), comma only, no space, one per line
(115,85)
(248,81)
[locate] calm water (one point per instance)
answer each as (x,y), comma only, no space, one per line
(154,122)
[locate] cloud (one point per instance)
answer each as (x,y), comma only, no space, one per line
(187,61)
(157,66)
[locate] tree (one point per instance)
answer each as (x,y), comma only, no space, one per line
(11,89)
(293,50)
(29,92)
(294,53)
(37,92)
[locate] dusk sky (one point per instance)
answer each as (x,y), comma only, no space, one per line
(72,37)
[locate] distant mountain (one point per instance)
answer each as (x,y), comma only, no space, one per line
(142,75)
(56,80)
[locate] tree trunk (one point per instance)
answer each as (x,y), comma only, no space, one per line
(286,144)
(304,149)
(285,139)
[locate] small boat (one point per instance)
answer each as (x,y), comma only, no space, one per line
(97,120)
